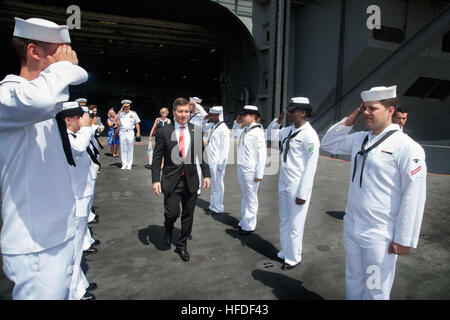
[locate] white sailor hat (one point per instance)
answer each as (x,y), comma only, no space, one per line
(126,102)
(70,109)
(379,93)
(85,109)
(249,109)
(195,99)
(216,110)
(81,101)
(41,30)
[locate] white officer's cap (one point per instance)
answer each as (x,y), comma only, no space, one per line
(81,101)
(379,93)
(126,102)
(41,30)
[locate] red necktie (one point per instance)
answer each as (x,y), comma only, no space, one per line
(181,144)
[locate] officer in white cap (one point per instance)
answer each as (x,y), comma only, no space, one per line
(197,111)
(38,212)
(251,160)
(299,156)
(218,149)
(75,126)
(128,121)
(386,196)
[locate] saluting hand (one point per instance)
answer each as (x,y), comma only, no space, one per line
(353,117)
(64,52)
(85,120)
(281,116)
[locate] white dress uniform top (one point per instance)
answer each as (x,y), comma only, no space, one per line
(251,160)
(386,205)
(218,149)
(38,204)
(296,181)
(128,122)
(197,118)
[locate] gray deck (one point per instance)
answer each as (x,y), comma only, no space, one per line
(134,263)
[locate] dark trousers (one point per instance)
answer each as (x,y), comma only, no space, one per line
(172,202)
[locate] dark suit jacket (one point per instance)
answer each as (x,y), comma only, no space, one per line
(166,145)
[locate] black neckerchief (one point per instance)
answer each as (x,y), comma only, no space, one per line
(62,128)
(363,152)
(94,148)
(194,115)
(96,138)
(242,137)
(288,138)
(215,129)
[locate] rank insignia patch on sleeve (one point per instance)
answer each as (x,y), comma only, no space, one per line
(415,167)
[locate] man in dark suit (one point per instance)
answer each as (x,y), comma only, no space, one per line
(181,146)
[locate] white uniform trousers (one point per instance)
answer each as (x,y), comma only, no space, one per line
(91,201)
(43,275)
(126,147)
(292,223)
(77,290)
(249,204)
(369,269)
(87,240)
(217,189)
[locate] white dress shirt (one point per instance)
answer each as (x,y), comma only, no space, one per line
(187,135)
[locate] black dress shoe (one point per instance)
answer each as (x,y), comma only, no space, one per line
(92,286)
(244,232)
(184,255)
(280,260)
(88,296)
(287,266)
(167,237)
(95,243)
(90,251)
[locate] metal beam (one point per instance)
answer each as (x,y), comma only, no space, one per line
(415,45)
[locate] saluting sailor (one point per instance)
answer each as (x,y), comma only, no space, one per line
(128,120)
(218,149)
(75,129)
(197,111)
(93,147)
(251,160)
(386,196)
(299,156)
(38,203)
